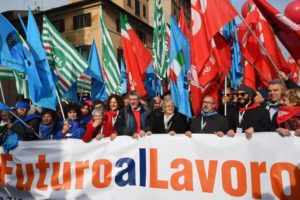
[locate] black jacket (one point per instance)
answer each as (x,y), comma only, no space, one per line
(213,124)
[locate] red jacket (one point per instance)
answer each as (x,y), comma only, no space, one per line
(91,131)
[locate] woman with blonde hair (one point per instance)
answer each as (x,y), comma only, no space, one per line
(288,116)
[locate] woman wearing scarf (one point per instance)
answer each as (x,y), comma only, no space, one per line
(169,121)
(114,103)
(209,120)
(288,116)
(94,128)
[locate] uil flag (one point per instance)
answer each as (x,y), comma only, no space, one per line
(286,30)
(94,70)
(180,60)
(207,19)
(68,63)
(135,68)
(124,78)
(160,41)
(152,82)
(111,70)
(15,54)
(48,93)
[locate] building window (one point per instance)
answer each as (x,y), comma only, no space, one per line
(84,50)
(144,11)
(81,21)
(118,28)
(137,8)
(129,3)
(59,25)
(141,35)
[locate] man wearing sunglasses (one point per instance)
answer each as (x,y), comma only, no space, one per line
(249,116)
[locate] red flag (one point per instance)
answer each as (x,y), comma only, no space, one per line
(136,56)
(286,30)
(182,23)
(254,52)
(249,76)
(207,19)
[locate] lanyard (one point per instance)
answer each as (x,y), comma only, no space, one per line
(203,123)
(241,114)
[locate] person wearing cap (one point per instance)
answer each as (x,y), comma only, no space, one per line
(21,108)
(249,117)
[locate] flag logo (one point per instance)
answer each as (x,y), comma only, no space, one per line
(59,58)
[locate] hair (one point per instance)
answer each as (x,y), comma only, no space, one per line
(50,112)
(293,95)
(210,97)
(97,102)
(72,107)
(166,101)
(135,93)
(98,110)
(119,99)
(277,82)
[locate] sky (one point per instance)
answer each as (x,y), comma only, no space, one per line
(6,5)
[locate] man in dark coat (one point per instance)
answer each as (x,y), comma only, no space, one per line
(209,120)
(131,120)
(249,117)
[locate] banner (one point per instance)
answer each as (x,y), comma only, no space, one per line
(155,167)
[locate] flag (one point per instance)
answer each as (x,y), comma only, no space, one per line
(131,58)
(124,78)
(4,107)
(21,84)
(207,18)
(47,95)
(71,94)
(182,23)
(152,82)
(98,91)
(286,30)
(68,63)
(230,32)
(255,53)
(160,41)
(180,60)
(6,73)
(22,59)
(84,83)
(111,71)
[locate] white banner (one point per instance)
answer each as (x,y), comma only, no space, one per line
(155,167)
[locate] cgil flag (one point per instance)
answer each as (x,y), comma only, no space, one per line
(111,70)
(68,63)
(180,61)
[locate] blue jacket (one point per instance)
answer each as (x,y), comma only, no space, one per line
(76,131)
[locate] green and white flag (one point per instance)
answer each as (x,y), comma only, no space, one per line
(160,41)
(68,63)
(111,70)
(84,83)
(19,77)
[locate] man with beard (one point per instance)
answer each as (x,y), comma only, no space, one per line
(209,120)
(249,116)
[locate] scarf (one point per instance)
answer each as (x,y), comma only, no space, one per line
(255,105)
(109,122)
(286,113)
(272,105)
(208,114)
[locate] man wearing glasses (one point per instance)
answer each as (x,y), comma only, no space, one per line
(249,116)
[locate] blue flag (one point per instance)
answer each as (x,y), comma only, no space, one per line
(47,97)
(180,64)
(15,54)
(152,82)
(124,78)
(4,107)
(71,94)
(98,91)
(230,32)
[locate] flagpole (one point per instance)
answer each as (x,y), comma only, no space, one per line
(260,44)
(254,67)
(225,93)
(24,123)
(2,93)
(60,105)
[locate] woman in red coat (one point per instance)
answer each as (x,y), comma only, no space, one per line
(114,104)
(94,128)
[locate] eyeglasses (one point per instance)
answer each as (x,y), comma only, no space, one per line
(242,94)
(223,94)
(207,102)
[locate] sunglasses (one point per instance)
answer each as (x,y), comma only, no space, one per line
(242,94)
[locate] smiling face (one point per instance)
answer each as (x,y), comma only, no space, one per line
(113,104)
(275,92)
(168,107)
(134,101)
(243,97)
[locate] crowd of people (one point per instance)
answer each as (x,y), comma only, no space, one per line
(244,110)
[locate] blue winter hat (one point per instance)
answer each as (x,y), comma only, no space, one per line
(22,104)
